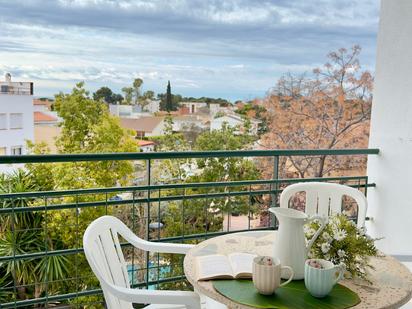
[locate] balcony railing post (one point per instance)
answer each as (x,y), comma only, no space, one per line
(148,173)
(276,188)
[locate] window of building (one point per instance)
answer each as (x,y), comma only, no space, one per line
(16,121)
(3,151)
(3,121)
(4,88)
(16,150)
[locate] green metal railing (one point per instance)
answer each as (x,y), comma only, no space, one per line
(145,204)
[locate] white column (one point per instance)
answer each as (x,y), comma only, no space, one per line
(390,203)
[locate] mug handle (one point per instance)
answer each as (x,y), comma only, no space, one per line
(341,272)
(292,274)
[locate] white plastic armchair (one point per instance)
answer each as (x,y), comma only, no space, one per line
(102,249)
(325,198)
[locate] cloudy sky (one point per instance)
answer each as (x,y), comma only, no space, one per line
(234,49)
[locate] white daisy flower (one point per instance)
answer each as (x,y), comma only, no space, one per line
(339,235)
(341,253)
(326,236)
(334,220)
(306,228)
(310,232)
(325,247)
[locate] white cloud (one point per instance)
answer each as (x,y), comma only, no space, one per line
(210,47)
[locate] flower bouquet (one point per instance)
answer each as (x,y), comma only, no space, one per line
(343,242)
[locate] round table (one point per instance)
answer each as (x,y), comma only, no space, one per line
(391,281)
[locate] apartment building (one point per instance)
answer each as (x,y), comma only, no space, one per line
(16,118)
(234,121)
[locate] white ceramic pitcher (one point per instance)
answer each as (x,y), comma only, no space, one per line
(290,243)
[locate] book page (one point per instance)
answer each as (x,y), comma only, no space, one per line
(241,264)
(213,266)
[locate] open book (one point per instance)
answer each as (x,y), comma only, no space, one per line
(218,266)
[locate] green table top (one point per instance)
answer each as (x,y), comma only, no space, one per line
(293,295)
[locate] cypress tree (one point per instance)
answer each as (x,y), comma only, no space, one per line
(169,105)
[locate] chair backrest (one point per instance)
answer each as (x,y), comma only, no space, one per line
(325,198)
(103,252)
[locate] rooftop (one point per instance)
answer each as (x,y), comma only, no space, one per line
(144,124)
(43,117)
(15,88)
(145,143)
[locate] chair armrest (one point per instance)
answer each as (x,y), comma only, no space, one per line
(190,299)
(169,247)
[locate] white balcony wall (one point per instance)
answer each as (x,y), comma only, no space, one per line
(17,126)
(390,203)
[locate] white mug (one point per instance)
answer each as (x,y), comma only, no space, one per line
(266,278)
(320,281)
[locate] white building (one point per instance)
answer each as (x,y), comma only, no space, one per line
(186,122)
(16,118)
(195,107)
(153,106)
(126,111)
(135,111)
(146,146)
(214,108)
(234,121)
(201,107)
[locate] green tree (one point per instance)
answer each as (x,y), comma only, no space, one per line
(169,105)
(222,102)
(132,94)
(87,127)
(106,95)
(171,170)
(197,218)
(225,169)
(194,216)
(168,101)
(128,95)
(149,95)
(22,233)
(146,98)
(137,84)
(80,116)
(255,109)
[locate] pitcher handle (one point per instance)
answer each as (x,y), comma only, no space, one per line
(322,226)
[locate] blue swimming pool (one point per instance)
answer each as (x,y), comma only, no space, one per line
(133,271)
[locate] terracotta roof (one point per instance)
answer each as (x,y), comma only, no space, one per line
(43,117)
(144,124)
(144,143)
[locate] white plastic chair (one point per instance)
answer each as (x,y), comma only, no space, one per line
(105,257)
(325,198)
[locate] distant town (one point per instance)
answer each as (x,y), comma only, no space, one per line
(23,117)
